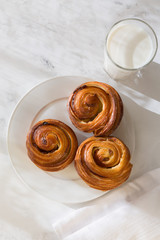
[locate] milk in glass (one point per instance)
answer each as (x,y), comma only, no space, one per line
(128,47)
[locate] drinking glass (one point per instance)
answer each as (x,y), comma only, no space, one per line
(130,45)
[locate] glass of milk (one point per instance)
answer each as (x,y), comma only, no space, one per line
(130,45)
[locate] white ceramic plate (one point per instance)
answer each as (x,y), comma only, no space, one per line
(48,100)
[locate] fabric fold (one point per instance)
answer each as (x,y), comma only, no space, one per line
(127,206)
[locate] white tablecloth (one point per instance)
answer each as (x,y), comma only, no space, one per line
(129,212)
(40,40)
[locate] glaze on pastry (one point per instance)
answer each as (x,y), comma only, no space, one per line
(95,107)
(51,145)
(103,162)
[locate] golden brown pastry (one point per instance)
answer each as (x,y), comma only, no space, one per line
(51,145)
(103,162)
(95,107)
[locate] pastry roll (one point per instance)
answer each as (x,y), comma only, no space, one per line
(103,162)
(51,145)
(95,107)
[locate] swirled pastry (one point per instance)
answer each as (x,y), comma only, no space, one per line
(51,145)
(103,162)
(95,107)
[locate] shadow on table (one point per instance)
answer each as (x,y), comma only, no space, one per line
(148,83)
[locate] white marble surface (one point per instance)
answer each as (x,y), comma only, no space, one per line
(42,39)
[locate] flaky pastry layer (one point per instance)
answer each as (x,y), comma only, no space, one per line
(95,107)
(103,162)
(51,145)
